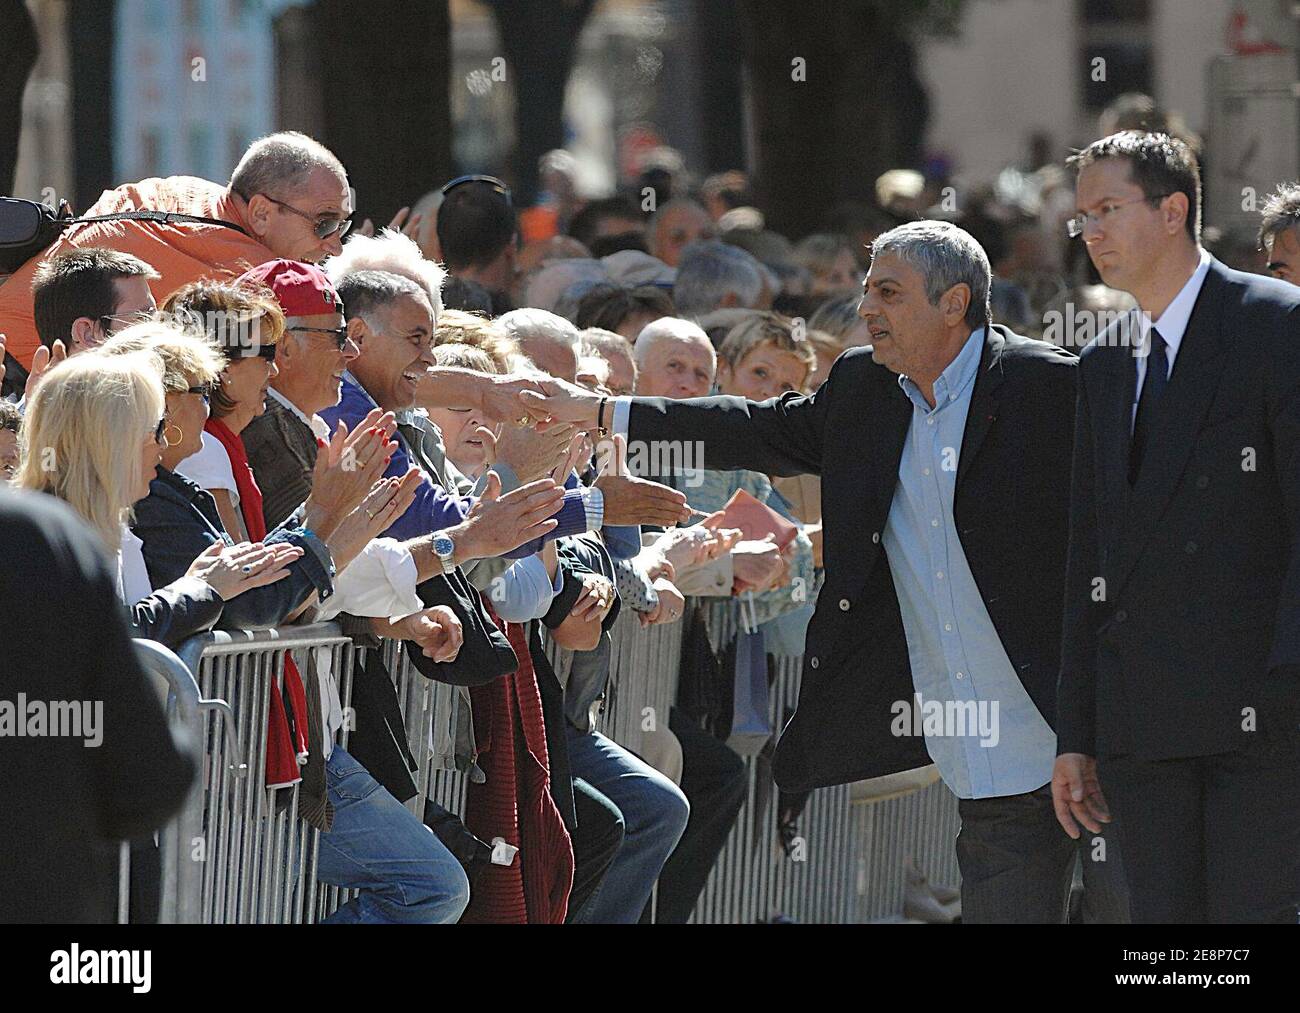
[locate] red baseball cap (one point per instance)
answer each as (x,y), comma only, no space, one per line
(302,290)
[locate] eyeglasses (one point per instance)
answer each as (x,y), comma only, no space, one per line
(340,333)
(1076,225)
(498,185)
(110,321)
(322,227)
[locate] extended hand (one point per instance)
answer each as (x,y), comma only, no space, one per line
(497,524)
(437,631)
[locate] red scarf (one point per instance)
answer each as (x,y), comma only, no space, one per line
(515,802)
(286,719)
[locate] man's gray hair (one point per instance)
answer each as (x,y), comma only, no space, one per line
(278,164)
(670,329)
(369,294)
(393,253)
(530,323)
(1281,212)
(711,270)
(946,256)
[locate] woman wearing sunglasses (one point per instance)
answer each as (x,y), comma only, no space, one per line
(92,436)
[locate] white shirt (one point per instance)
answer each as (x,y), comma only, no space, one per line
(1172,325)
(132,574)
(209,468)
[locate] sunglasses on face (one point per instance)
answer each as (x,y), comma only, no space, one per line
(340,334)
(322,227)
(496,184)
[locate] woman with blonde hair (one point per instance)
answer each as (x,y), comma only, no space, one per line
(92,436)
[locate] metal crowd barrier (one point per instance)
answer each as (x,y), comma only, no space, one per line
(239,853)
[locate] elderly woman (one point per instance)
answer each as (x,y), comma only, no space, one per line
(92,436)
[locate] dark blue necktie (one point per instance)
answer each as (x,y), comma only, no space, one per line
(1153,388)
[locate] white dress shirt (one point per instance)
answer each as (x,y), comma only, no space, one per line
(1172,325)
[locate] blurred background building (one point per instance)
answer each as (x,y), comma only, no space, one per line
(409,94)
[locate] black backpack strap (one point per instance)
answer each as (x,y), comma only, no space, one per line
(161,217)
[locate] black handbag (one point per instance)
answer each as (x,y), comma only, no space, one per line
(27,227)
(485,654)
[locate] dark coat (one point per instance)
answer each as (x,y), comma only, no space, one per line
(1199,605)
(65,637)
(1010,507)
(177,521)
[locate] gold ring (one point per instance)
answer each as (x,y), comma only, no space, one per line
(523,420)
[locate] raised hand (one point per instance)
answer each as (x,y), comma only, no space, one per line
(631,501)
(386,501)
(532,454)
(756,565)
(497,524)
(347,469)
(42,360)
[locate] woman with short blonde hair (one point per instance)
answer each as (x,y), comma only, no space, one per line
(75,442)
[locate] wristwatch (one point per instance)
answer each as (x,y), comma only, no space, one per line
(445,549)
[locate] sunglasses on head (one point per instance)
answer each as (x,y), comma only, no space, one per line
(322,227)
(203,390)
(498,185)
(340,333)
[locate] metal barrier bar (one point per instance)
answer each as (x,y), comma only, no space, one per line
(258,860)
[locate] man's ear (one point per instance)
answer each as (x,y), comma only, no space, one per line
(955,303)
(85,333)
(358,331)
(1176,212)
(259,215)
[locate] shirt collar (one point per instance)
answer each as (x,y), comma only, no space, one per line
(954,380)
(318,426)
(1172,324)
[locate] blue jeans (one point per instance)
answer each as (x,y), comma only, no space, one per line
(377,846)
(654,815)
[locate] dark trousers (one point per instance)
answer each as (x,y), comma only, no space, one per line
(714,780)
(596,841)
(1210,838)
(1017,863)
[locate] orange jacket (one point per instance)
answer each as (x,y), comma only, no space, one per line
(180,253)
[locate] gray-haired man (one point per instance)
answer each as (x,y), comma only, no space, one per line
(944,451)
(1279,232)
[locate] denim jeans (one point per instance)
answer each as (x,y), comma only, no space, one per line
(377,846)
(654,815)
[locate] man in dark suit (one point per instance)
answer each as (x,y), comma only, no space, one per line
(1177,699)
(944,456)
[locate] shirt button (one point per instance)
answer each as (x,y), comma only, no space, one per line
(939,575)
(1120,616)
(844,604)
(925,471)
(875,537)
(960,676)
(813,662)
(934,523)
(1203,482)
(947,627)
(1191,548)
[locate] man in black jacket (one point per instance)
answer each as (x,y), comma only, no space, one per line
(64,797)
(1181,662)
(944,455)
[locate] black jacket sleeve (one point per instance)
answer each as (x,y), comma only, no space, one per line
(780,436)
(173,614)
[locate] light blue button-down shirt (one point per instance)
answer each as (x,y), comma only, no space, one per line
(981,728)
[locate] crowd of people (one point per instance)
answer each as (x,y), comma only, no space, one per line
(484,447)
